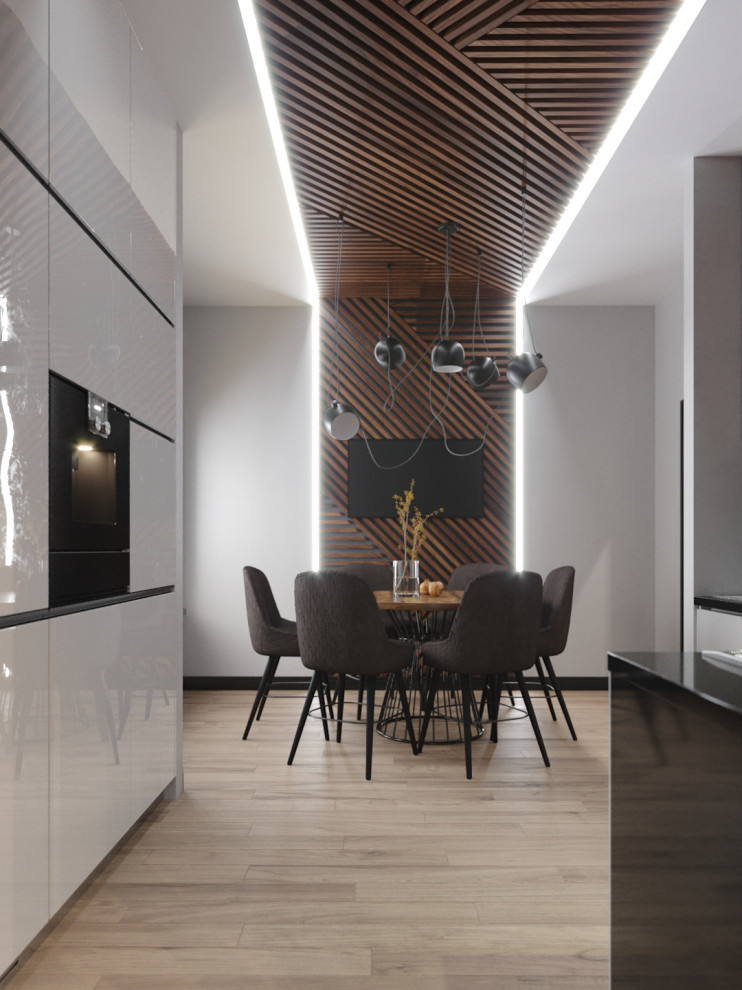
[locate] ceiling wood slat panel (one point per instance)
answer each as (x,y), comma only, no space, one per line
(404,113)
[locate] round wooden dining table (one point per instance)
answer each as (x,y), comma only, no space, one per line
(420,618)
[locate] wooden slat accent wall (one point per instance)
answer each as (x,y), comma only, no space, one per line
(366,387)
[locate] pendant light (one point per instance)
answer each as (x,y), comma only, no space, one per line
(482,371)
(448,355)
(389,353)
(526,371)
(340,419)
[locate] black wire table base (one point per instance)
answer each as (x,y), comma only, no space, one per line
(446,722)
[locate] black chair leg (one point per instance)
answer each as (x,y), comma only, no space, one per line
(545,687)
(495,684)
(427,704)
(531,714)
(466,704)
(370,721)
(328,695)
(399,680)
(484,700)
(322,687)
(361,686)
(263,688)
(558,693)
(314,684)
(340,696)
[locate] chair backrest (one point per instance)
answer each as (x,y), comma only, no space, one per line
(556,611)
(496,627)
(262,611)
(340,626)
(464,574)
(377,576)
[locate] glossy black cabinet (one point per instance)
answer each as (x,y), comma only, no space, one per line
(676,823)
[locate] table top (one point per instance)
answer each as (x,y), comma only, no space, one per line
(446,601)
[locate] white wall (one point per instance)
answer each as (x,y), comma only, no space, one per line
(247,442)
(589,474)
(667,440)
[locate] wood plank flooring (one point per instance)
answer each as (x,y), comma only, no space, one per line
(265,876)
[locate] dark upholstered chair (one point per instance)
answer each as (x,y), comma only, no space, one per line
(340,631)
(556,613)
(495,632)
(270,635)
(464,574)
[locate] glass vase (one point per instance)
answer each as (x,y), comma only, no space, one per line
(406,578)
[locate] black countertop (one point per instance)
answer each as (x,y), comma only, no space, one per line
(717,679)
(720,603)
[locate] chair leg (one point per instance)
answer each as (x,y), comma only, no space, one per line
(531,714)
(484,700)
(399,680)
(328,695)
(557,691)
(340,696)
(322,686)
(466,704)
(495,694)
(545,687)
(370,720)
(314,684)
(263,688)
(361,686)
(427,704)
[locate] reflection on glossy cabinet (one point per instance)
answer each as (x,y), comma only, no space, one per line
(24,77)
(148,714)
(113,676)
(23,389)
(24,787)
(104,335)
(152,510)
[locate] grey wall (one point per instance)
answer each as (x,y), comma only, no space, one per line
(589,474)
(247,469)
(667,398)
(716,265)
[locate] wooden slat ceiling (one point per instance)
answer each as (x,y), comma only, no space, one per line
(404,113)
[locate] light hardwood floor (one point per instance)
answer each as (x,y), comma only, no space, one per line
(265,876)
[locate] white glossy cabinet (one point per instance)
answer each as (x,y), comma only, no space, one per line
(152,510)
(153,165)
(103,334)
(113,141)
(24,77)
(113,675)
(24,787)
(23,389)
(718,630)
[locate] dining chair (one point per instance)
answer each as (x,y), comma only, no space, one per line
(271,635)
(340,631)
(556,613)
(495,632)
(464,574)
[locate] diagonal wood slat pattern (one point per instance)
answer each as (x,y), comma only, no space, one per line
(400,114)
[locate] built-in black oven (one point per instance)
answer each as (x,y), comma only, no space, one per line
(88,495)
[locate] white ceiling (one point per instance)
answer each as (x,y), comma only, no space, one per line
(239,249)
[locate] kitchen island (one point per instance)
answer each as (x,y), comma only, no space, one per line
(676,821)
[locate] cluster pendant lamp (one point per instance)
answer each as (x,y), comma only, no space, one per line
(340,419)
(525,371)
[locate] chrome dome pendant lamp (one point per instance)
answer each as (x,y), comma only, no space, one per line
(482,371)
(448,355)
(526,371)
(340,419)
(389,353)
